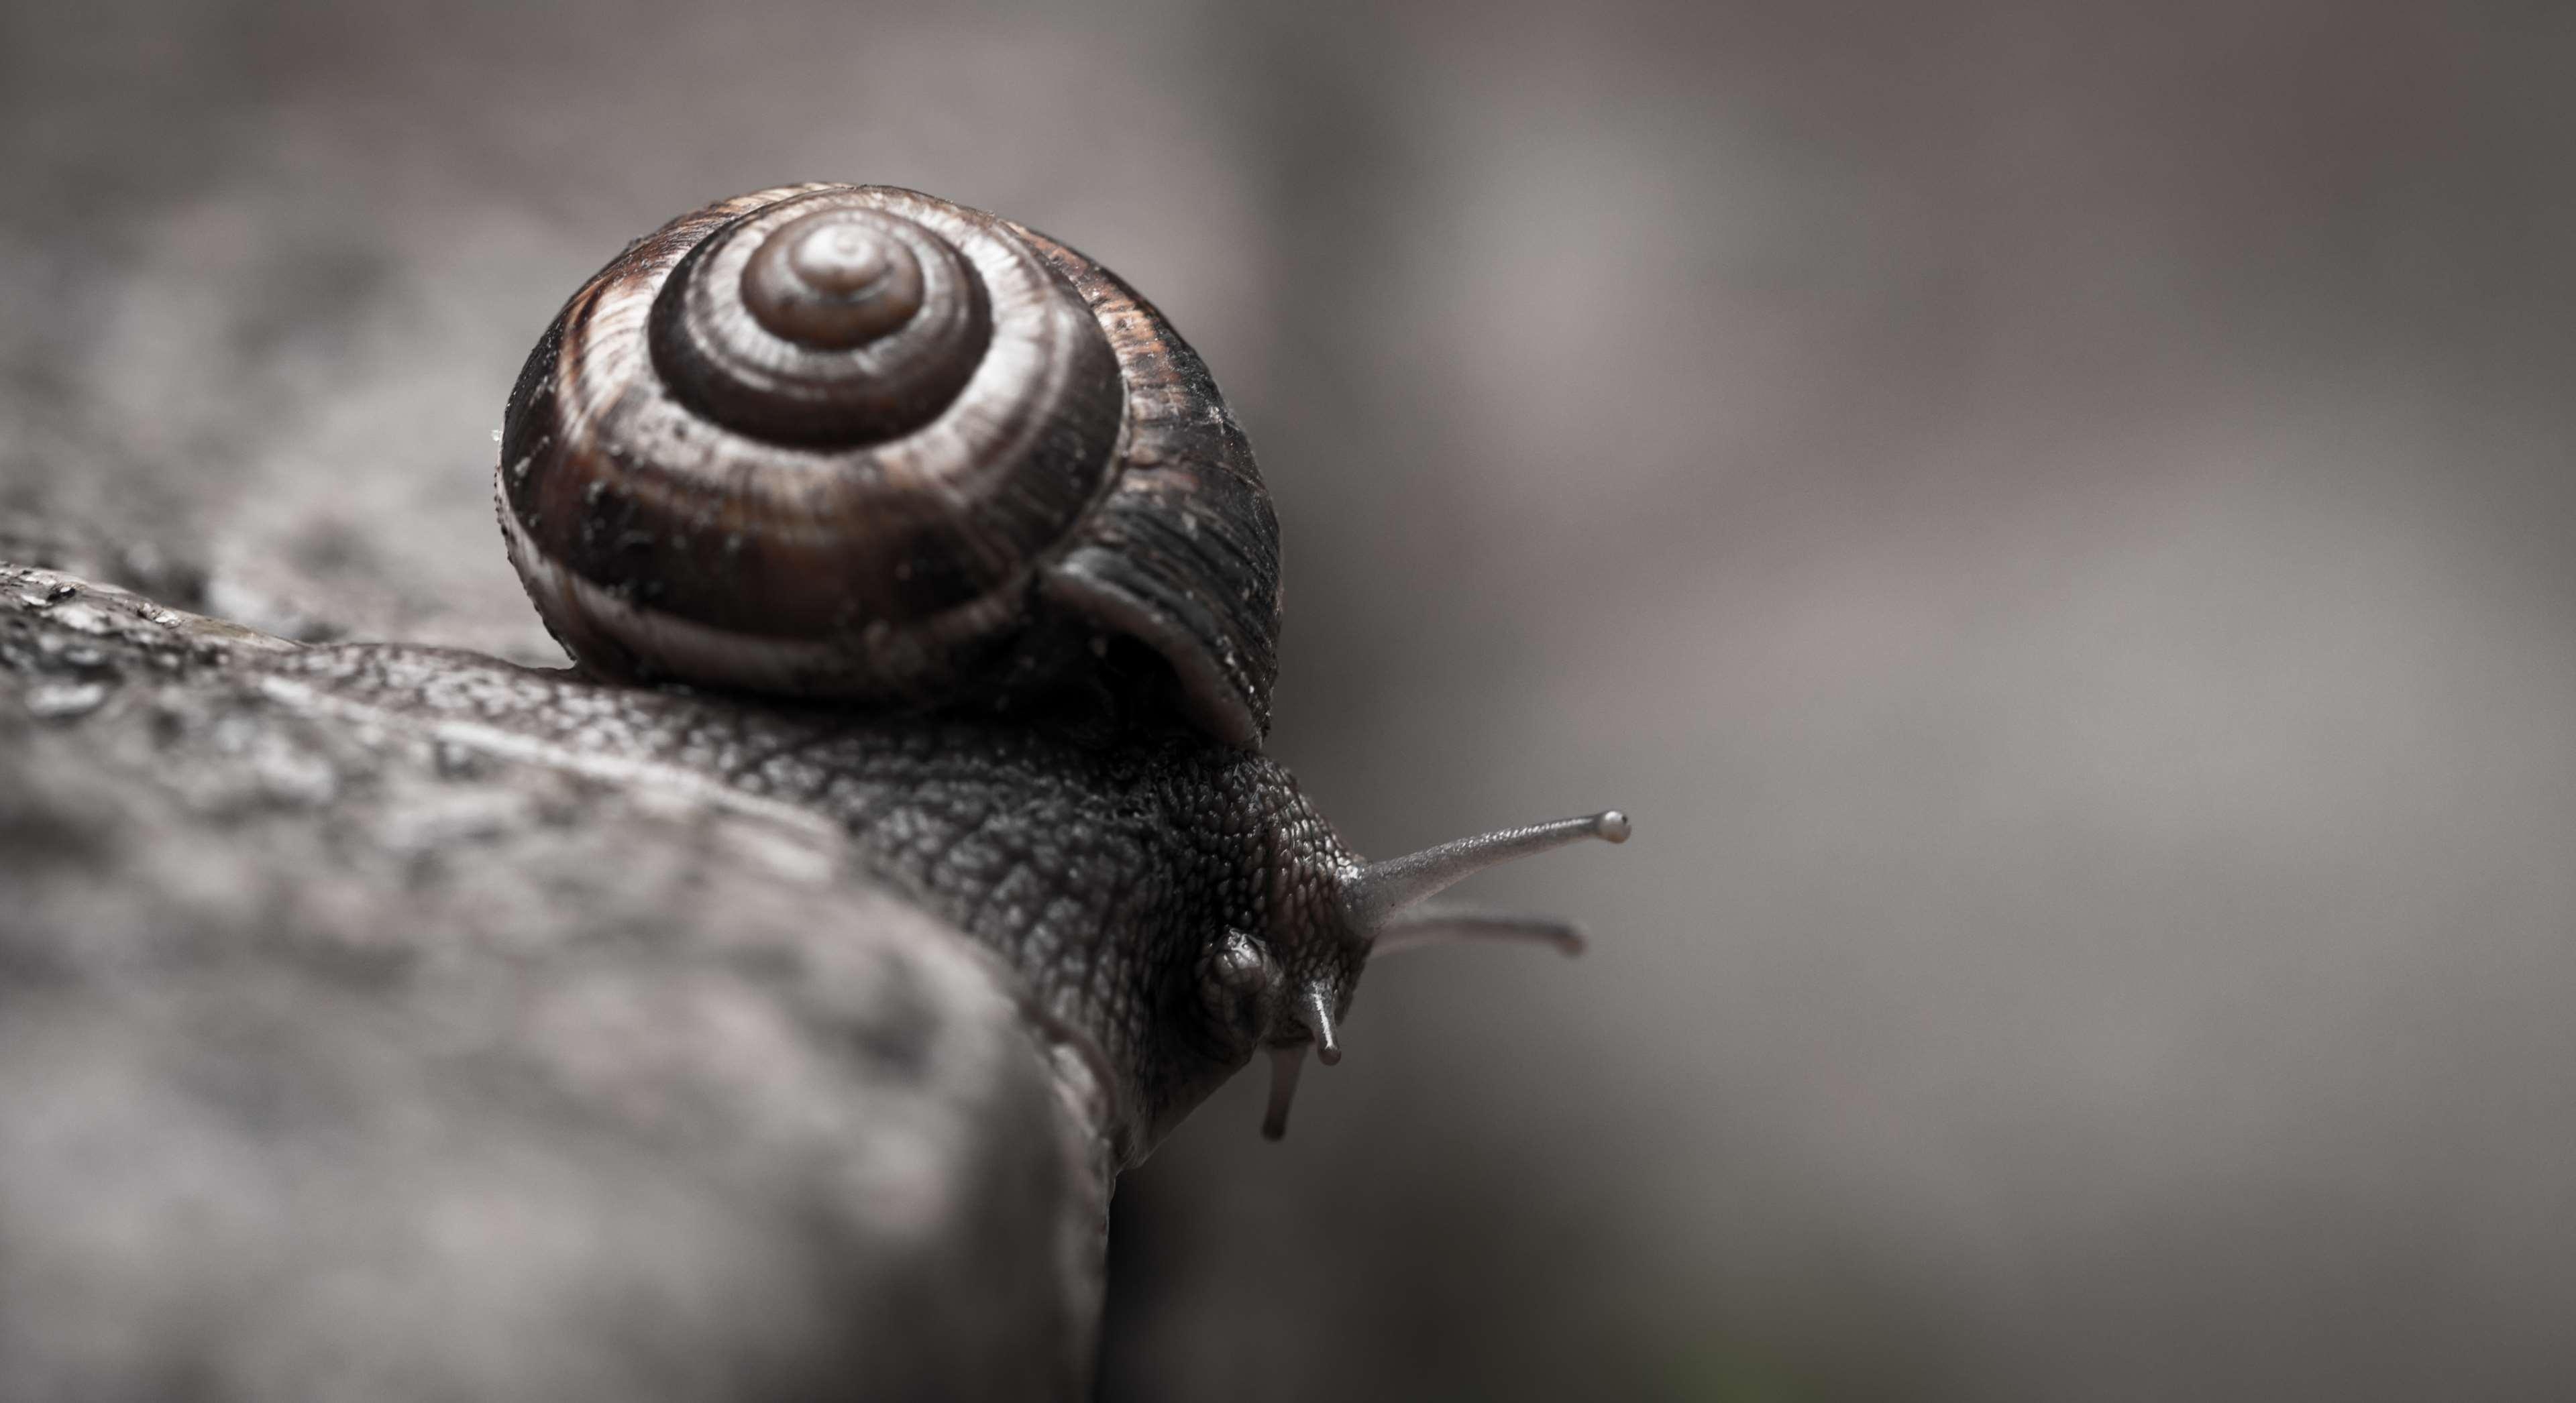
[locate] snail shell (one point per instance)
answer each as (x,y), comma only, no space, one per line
(858,442)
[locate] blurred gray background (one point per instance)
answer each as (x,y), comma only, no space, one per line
(2056,520)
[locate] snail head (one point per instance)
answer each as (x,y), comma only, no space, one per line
(1285,990)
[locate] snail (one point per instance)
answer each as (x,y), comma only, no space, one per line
(962,497)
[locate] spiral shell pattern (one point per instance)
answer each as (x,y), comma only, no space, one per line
(859,442)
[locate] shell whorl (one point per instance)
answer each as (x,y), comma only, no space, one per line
(859,442)
(838,326)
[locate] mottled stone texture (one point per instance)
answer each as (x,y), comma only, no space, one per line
(343,1057)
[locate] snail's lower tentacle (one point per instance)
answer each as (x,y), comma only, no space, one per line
(1285,1065)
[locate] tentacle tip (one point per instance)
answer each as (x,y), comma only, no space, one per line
(1610,825)
(1274,1127)
(1330,1054)
(1571,942)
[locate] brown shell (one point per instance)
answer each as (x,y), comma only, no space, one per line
(1079,476)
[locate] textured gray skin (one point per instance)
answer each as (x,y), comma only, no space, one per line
(1103,870)
(393,1023)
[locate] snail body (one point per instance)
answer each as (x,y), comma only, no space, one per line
(961,490)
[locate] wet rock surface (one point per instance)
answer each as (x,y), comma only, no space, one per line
(343,1056)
